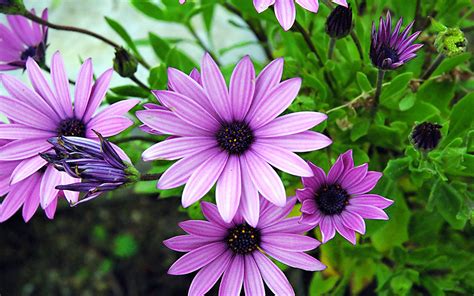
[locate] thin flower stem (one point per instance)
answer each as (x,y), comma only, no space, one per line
(150,177)
(357,44)
(378,90)
(139,83)
(135,138)
(201,42)
(439,59)
(256,28)
(43,22)
(332,44)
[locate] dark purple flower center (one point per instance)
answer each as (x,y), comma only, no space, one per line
(30,52)
(71,127)
(389,53)
(426,135)
(243,239)
(235,137)
(331,199)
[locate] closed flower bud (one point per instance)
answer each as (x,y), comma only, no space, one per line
(125,64)
(426,136)
(12,7)
(451,42)
(339,22)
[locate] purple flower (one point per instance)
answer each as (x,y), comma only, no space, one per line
(22,40)
(340,200)
(390,50)
(232,136)
(238,252)
(43,112)
(98,165)
(285,10)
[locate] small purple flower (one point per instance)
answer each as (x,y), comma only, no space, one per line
(285,10)
(340,200)
(231,136)
(238,252)
(38,114)
(390,50)
(22,40)
(98,165)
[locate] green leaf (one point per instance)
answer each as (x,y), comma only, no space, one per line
(439,94)
(462,119)
(120,30)
(363,82)
(392,93)
(397,168)
(450,63)
(360,129)
(125,246)
(130,91)
(407,102)
(448,201)
(320,285)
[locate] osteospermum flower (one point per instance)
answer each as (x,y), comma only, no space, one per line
(231,136)
(340,200)
(22,40)
(390,50)
(285,10)
(41,113)
(238,252)
(98,165)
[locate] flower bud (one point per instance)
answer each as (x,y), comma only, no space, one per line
(12,7)
(125,64)
(426,136)
(339,22)
(451,42)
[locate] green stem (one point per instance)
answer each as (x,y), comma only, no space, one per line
(201,43)
(139,83)
(149,177)
(439,59)
(357,44)
(378,90)
(332,45)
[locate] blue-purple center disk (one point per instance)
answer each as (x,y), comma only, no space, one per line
(71,127)
(30,52)
(235,137)
(331,199)
(390,53)
(243,239)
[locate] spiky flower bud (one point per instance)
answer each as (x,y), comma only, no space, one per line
(426,136)
(98,165)
(12,7)
(125,64)
(451,42)
(339,22)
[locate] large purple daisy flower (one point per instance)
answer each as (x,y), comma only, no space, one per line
(39,114)
(390,50)
(340,200)
(285,10)
(23,40)
(238,252)
(232,136)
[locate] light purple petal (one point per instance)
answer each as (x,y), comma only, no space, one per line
(250,200)
(197,258)
(327,228)
(118,109)
(262,5)
(294,259)
(17,196)
(229,189)
(233,278)
(168,123)
(310,5)
(315,182)
(31,203)
(371,200)
(347,233)
(27,168)
(268,79)
(312,220)
(276,101)
(301,142)
(83,89)
(368,212)
(285,12)
(48,191)
(265,178)
(186,243)
(61,84)
(353,221)
(309,206)
(215,87)
(203,179)
(367,184)
(188,110)
(108,127)
(99,90)
(51,209)
(253,282)
(21,149)
(211,213)
(283,159)
(16,110)
(203,228)
(176,148)
(290,242)
(71,196)
(291,124)
(340,2)
(272,275)
(271,213)
(15,131)
(289,225)
(242,87)
(209,274)
(336,171)
(178,174)
(354,176)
